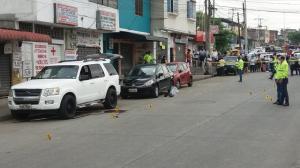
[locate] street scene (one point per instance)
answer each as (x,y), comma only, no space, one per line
(149,84)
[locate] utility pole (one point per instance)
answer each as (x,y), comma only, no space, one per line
(258,29)
(245,26)
(239,30)
(207,25)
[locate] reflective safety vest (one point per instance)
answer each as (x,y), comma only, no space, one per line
(148,59)
(221,63)
(240,64)
(282,70)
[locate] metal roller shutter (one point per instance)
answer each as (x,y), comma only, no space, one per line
(4,75)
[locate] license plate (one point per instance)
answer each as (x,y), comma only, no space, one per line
(25,106)
(132,90)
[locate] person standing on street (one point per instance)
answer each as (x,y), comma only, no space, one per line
(221,65)
(240,67)
(148,58)
(188,57)
(281,76)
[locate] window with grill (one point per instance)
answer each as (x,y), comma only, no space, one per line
(172,6)
(109,3)
(139,7)
(191,9)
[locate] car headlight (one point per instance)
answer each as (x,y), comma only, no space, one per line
(149,83)
(51,92)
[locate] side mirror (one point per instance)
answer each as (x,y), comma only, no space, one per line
(160,75)
(32,78)
(84,77)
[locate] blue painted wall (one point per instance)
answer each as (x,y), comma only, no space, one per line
(128,19)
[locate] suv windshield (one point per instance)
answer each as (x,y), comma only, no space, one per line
(58,72)
(143,71)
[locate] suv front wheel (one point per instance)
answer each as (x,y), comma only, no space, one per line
(67,108)
(111,99)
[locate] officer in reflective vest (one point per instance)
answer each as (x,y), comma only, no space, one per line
(240,67)
(281,76)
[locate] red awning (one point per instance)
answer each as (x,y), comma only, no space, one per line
(15,35)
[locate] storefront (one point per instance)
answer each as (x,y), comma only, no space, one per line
(180,45)
(12,60)
(132,47)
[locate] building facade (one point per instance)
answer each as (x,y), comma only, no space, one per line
(75,28)
(174,20)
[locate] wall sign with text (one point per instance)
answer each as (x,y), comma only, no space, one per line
(64,14)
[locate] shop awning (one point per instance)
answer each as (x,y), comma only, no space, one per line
(137,37)
(15,35)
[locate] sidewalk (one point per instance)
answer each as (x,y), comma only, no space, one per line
(4,111)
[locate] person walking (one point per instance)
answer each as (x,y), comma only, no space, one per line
(281,77)
(273,66)
(148,58)
(252,64)
(240,67)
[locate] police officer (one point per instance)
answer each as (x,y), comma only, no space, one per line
(240,67)
(281,77)
(221,65)
(148,58)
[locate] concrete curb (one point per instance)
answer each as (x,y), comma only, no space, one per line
(201,77)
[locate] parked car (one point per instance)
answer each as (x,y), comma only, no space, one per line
(146,79)
(182,74)
(66,86)
(230,67)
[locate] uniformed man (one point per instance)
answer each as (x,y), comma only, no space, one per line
(240,67)
(148,58)
(281,77)
(221,65)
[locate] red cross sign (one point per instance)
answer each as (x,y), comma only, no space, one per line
(53,51)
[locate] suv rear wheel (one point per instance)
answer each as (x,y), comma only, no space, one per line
(111,99)
(20,115)
(67,108)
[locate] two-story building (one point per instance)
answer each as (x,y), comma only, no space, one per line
(75,28)
(174,20)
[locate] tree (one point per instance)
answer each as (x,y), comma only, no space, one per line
(223,40)
(294,37)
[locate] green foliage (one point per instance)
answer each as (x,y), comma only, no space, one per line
(223,40)
(294,37)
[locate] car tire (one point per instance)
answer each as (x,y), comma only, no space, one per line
(190,84)
(177,84)
(155,92)
(111,99)
(67,108)
(20,115)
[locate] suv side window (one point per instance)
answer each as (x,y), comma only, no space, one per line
(96,71)
(110,69)
(85,71)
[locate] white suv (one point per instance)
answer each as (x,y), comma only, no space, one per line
(66,86)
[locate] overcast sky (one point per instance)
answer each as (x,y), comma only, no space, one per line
(271,19)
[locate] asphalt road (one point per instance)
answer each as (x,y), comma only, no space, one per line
(218,123)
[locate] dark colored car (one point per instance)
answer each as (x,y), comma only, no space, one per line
(182,74)
(230,67)
(147,79)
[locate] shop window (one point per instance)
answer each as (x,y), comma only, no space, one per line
(139,7)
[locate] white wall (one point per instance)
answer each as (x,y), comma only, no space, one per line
(43,11)
(24,9)
(180,22)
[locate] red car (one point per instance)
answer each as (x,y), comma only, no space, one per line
(182,74)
